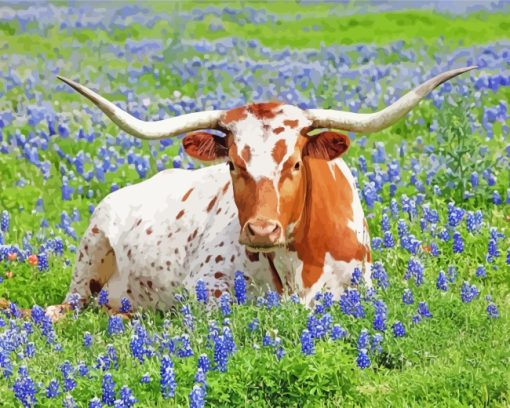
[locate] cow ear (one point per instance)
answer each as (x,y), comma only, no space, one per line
(327,145)
(205,146)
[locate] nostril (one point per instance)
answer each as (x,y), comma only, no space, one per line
(250,229)
(276,229)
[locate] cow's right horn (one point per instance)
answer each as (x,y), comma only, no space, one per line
(155,130)
(373,122)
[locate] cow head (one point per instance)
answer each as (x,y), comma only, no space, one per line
(266,147)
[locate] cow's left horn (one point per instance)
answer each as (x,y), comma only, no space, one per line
(372,122)
(159,129)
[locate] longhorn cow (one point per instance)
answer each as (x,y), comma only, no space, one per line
(282,207)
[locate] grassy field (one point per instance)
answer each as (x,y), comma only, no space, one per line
(437,184)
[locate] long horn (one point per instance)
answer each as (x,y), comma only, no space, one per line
(372,122)
(159,129)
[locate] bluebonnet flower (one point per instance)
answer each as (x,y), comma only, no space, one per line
(59,246)
(416,319)
(442,281)
(414,268)
(468,292)
(444,235)
(376,243)
(115,325)
(103,362)
(294,298)
(492,311)
(185,349)
(4,221)
(398,329)
(402,228)
(493,251)
(228,341)
(279,350)
(127,397)
(407,297)
(362,164)
(87,339)
(220,353)
(167,381)
(307,345)
(14,310)
(385,223)
(376,343)
(495,234)
(369,194)
(455,215)
(475,180)
(411,244)
(267,340)
(458,243)
(363,339)
(201,291)
(253,325)
(261,301)
(200,376)
(272,299)
(145,379)
(112,354)
(225,304)
(496,198)
(240,287)
(197,396)
(74,302)
(380,315)
(362,360)
(423,309)
(434,250)
(350,303)
(52,390)
(187,317)
(42,262)
(108,390)
(378,273)
(83,369)
(394,208)
(125,305)
(66,368)
(203,363)
(103,298)
(481,272)
(474,221)
(508,257)
(338,332)
(29,350)
(69,382)
(356,276)
(69,402)
(452,273)
(328,298)
(388,240)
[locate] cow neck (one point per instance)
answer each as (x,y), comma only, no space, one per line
(324,223)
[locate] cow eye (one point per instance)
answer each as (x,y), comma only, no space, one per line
(231,165)
(297,166)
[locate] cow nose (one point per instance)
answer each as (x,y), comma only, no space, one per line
(263,228)
(263,233)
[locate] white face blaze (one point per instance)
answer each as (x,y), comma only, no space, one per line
(261,135)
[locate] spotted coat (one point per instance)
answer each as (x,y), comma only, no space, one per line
(146,240)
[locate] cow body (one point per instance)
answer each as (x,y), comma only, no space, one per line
(284,209)
(147,240)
